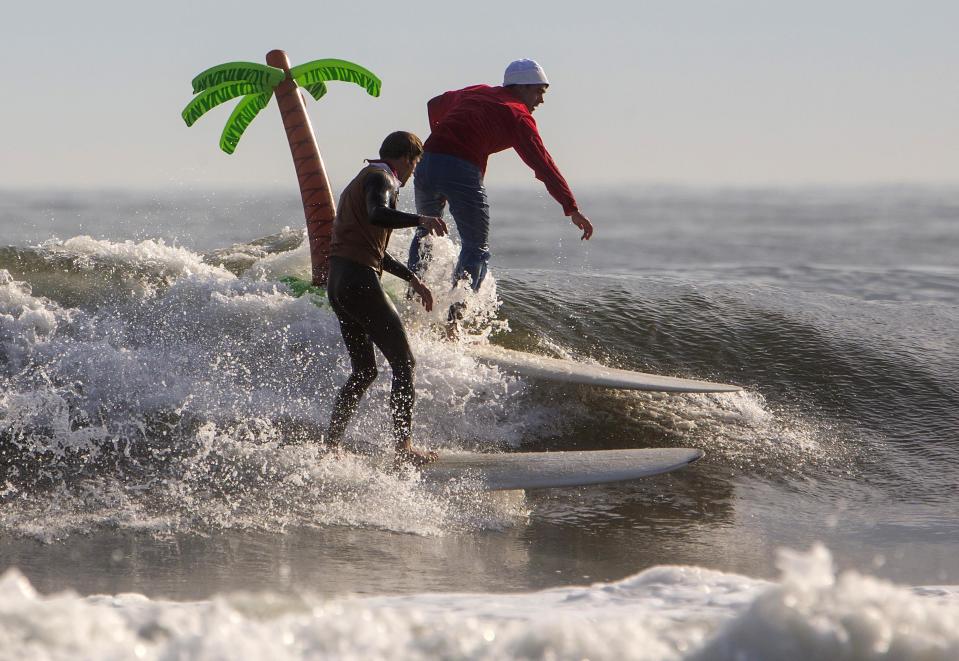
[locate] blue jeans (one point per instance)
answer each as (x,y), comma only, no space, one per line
(440,179)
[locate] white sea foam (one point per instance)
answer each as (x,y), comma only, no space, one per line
(25,321)
(279,264)
(152,256)
(479,310)
(662,613)
(813,613)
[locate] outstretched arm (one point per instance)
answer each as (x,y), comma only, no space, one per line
(531,149)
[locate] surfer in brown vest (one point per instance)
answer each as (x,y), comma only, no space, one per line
(365,218)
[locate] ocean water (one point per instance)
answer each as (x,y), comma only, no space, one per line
(161,495)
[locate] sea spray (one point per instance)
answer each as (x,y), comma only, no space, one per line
(197,402)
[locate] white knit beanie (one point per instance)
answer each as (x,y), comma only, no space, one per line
(524,72)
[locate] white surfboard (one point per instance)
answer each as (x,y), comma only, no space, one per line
(570,371)
(544,470)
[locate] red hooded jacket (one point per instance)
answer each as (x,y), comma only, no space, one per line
(477,121)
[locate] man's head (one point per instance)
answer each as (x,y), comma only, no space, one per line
(402,150)
(527,81)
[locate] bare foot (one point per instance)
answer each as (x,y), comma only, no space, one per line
(413,457)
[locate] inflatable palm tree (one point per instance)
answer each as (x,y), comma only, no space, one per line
(256,83)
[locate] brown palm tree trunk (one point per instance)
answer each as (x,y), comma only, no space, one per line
(318,204)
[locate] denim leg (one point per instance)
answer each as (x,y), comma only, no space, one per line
(441,178)
(429,202)
(470,210)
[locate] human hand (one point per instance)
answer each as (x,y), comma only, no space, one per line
(423,292)
(434,225)
(582,222)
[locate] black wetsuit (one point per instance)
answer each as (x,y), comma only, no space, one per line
(367,318)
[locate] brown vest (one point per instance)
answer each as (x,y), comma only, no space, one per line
(354,237)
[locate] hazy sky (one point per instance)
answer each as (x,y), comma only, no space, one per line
(708,92)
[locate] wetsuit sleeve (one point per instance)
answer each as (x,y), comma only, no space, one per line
(394,267)
(531,149)
(377,189)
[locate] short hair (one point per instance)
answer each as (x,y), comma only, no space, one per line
(401,144)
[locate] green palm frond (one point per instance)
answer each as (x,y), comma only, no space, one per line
(316,90)
(244,113)
(235,72)
(319,71)
(256,82)
(214,96)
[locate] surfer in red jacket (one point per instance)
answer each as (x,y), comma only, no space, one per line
(467,126)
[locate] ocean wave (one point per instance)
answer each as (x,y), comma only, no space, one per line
(663,613)
(130,365)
